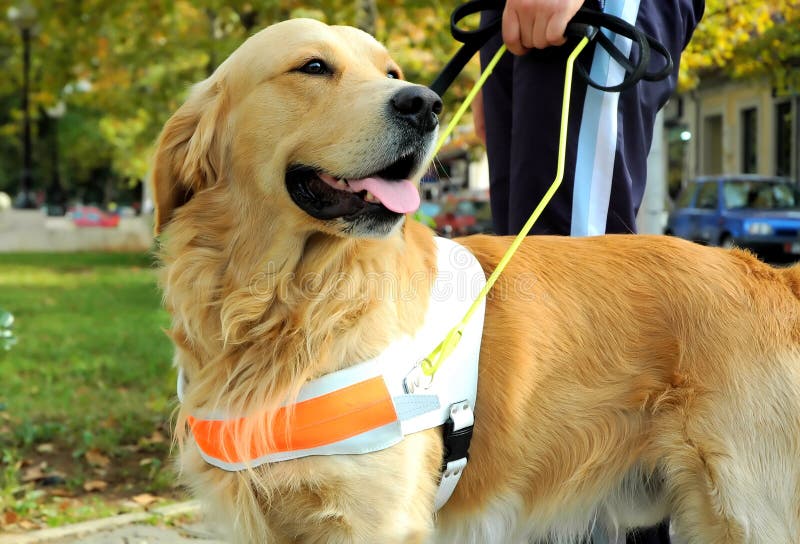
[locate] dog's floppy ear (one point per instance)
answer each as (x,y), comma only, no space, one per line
(190,150)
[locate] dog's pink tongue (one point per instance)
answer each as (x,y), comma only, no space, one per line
(399,196)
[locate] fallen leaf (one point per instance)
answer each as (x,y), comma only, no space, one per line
(61,492)
(45,448)
(97,459)
(10,518)
(27,525)
(155,438)
(145,499)
(32,474)
(109,423)
(94,485)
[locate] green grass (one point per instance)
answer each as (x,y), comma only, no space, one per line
(91,369)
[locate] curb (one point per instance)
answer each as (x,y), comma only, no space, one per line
(87,527)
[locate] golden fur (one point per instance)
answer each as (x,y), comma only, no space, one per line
(623,379)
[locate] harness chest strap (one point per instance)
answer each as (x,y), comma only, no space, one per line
(372,405)
(360,418)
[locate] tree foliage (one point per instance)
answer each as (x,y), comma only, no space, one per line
(122,66)
(747,39)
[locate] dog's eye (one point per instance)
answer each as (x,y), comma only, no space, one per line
(315,67)
(393,74)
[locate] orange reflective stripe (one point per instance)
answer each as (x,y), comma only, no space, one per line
(316,422)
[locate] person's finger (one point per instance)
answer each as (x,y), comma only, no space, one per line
(526,12)
(538,37)
(511,32)
(556,27)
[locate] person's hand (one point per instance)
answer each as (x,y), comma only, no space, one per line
(529,24)
(478,118)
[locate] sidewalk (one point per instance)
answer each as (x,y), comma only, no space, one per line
(149,534)
(173,524)
(30,230)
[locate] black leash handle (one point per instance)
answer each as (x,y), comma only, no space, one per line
(473,40)
(633,72)
(586,22)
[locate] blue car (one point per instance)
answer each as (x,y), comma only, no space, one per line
(754,212)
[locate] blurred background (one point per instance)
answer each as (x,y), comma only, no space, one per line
(88,84)
(86,385)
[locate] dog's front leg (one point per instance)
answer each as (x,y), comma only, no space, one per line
(385,497)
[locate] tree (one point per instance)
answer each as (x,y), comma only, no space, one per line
(745,39)
(123,66)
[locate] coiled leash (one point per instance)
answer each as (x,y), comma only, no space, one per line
(587,25)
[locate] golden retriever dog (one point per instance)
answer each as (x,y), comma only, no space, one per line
(628,379)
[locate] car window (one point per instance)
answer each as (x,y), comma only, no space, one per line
(685,198)
(773,196)
(785,195)
(736,194)
(707,196)
(760,195)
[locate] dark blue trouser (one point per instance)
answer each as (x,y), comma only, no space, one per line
(609,136)
(609,133)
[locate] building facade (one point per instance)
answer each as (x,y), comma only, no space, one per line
(732,127)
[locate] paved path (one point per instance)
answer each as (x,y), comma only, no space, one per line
(173,524)
(30,230)
(148,534)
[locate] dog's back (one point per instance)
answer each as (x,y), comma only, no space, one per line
(641,377)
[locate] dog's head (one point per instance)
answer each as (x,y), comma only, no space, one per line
(313,118)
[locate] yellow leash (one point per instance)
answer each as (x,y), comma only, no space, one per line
(434,360)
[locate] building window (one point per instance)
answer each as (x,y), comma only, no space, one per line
(783,139)
(750,141)
(712,144)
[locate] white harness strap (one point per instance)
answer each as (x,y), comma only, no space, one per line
(419,403)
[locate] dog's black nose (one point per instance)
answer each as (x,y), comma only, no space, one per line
(418,106)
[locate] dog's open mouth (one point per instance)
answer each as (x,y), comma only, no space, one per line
(327,196)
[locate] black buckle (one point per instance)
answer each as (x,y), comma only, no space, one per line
(456,443)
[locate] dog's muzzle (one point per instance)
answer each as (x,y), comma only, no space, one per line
(417,107)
